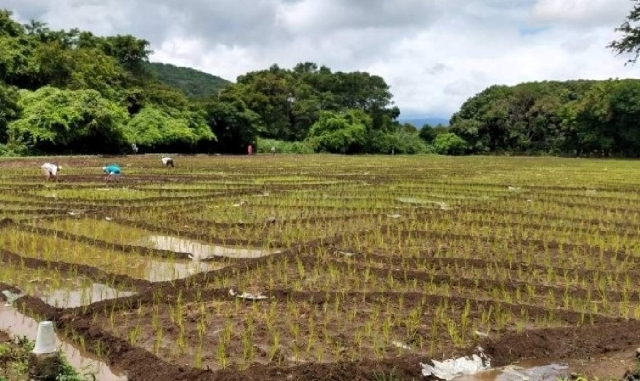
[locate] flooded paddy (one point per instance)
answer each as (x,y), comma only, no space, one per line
(19,325)
(136,266)
(200,251)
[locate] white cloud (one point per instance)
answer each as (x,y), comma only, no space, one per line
(592,12)
(434,53)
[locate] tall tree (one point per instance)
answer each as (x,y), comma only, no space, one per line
(342,132)
(9,109)
(630,40)
(63,121)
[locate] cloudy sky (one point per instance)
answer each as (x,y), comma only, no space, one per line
(434,53)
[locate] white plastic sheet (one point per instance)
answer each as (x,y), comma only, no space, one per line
(452,368)
(11,297)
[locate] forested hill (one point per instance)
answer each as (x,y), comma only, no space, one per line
(192,82)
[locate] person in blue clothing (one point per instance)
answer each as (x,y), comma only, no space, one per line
(112,170)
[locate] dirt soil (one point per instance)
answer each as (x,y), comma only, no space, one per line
(558,344)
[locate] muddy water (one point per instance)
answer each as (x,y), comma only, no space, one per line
(199,250)
(77,297)
(526,371)
(159,271)
(550,372)
(16,324)
(419,201)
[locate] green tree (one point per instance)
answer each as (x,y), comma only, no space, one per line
(131,52)
(233,123)
(9,109)
(62,121)
(428,133)
(155,128)
(630,40)
(449,144)
(9,27)
(93,69)
(290,101)
(17,66)
(340,132)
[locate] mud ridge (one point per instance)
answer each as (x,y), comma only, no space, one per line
(266,224)
(541,244)
(488,285)
(442,263)
(563,343)
(205,237)
(548,217)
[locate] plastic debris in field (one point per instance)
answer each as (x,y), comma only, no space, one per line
(452,368)
(11,296)
(247,296)
(550,372)
(401,345)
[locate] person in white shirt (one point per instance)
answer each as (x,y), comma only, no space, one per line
(167,161)
(50,170)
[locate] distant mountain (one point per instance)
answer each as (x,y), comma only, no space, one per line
(419,122)
(192,82)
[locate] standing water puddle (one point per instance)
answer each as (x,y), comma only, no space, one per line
(78,297)
(526,371)
(420,201)
(18,325)
(201,251)
(160,271)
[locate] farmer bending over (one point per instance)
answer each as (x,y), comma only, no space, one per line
(50,170)
(167,161)
(112,170)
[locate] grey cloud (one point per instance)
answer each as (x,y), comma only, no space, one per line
(223,21)
(580,13)
(458,87)
(427,49)
(437,69)
(578,44)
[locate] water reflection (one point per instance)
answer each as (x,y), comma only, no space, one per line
(199,250)
(18,325)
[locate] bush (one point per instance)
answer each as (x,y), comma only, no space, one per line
(264,146)
(399,142)
(450,144)
(339,132)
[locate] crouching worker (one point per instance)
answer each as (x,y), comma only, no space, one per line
(167,162)
(112,171)
(50,170)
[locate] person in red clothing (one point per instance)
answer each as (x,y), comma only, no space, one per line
(250,150)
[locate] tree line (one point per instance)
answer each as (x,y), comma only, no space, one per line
(70,91)
(584,118)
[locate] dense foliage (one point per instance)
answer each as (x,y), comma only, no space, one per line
(574,118)
(193,83)
(73,92)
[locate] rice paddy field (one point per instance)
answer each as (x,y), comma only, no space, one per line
(323,267)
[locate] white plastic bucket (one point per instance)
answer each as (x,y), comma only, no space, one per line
(45,339)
